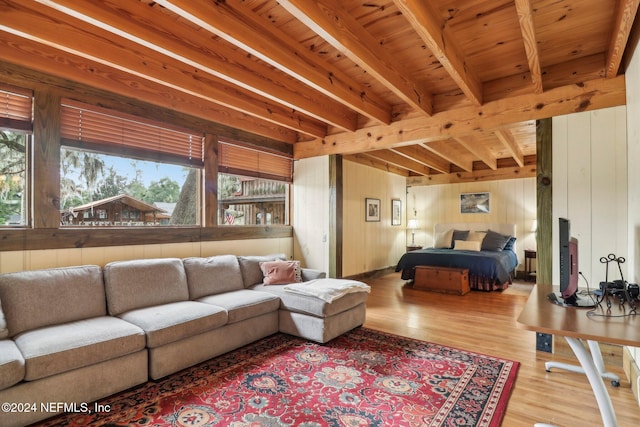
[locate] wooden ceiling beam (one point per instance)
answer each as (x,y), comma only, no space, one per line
(587,96)
(400,160)
(626,13)
(34,22)
(478,150)
(475,176)
(525,17)
(252,34)
(366,160)
(436,35)
(335,25)
(582,69)
(419,153)
(35,56)
(443,149)
(416,75)
(507,139)
(161,33)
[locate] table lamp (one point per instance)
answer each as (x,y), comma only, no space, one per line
(412,225)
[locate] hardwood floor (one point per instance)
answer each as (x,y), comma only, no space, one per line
(485,322)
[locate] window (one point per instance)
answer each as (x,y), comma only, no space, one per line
(252,201)
(253,185)
(16,113)
(119,170)
(13,178)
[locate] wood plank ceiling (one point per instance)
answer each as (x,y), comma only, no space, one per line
(433,90)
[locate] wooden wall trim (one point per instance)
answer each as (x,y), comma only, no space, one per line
(544,195)
(210,181)
(336,191)
(74,238)
(46,160)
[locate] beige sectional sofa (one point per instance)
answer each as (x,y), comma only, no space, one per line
(77,334)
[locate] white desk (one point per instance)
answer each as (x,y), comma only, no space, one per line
(540,315)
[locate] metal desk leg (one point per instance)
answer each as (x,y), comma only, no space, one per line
(596,355)
(595,379)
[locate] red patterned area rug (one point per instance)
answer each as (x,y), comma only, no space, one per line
(363,378)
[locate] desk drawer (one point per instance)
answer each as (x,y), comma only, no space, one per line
(442,279)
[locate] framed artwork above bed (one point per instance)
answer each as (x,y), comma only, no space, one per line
(475,202)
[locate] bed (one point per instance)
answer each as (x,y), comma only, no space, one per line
(463,245)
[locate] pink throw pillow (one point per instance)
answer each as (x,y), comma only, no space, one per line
(281,272)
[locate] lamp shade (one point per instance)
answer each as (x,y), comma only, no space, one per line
(412,224)
(534,226)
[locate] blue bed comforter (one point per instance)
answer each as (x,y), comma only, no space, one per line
(488,264)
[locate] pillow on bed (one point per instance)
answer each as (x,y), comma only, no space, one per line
(459,235)
(443,240)
(494,241)
(476,236)
(466,245)
(510,244)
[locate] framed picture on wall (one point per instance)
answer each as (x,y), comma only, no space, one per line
(474,203)
(396,212)
(372,209)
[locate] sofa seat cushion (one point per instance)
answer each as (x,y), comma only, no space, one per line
(312,305)
(60,348)
(244,304)
(171,322)
(11,364)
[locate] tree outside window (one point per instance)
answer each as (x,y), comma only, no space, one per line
(13,164)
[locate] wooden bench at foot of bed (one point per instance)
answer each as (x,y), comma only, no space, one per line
(442,279)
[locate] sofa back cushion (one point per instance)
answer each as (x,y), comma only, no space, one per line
(213,275)
(250,267)
(34,299)
(144,283)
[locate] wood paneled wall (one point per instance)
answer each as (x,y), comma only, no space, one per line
(633,191)
(590,188)
(365,246)
(11,261)
(311,212)
(371,246)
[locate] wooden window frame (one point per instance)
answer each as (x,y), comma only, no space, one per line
(45,232)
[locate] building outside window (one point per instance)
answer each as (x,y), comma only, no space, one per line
(252,201)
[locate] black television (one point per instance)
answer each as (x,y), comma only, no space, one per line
(569,274)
